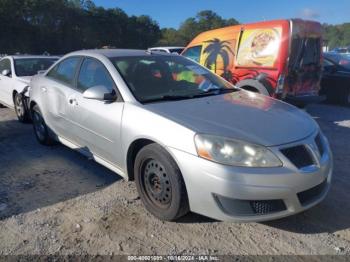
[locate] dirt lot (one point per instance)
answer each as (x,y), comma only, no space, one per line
(53,200)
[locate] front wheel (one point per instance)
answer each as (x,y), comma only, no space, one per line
(40,128)
(160,184)
(20,108)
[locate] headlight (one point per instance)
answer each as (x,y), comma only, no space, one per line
(234,152)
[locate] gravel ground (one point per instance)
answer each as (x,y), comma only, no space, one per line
(55,201)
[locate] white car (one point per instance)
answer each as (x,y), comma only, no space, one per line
(15,75)
(167,49)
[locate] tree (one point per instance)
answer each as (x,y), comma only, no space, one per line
(61,26)
(191,27)
(337,35)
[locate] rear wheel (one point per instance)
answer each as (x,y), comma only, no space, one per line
(40,128)
(20,109)
(160,183)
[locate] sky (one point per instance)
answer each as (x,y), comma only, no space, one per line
(172,13)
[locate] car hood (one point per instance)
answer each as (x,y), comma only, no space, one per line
(25,79)
(240,115)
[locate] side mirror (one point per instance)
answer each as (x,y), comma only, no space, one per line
(6,72)
(101,93)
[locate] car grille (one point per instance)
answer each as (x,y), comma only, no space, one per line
(263,207)
(299,156)
(239,207)
(318,141)
(312,194)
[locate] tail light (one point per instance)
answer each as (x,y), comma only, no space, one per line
(280,84)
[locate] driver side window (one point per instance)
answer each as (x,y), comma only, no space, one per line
(5,64)
(94,73)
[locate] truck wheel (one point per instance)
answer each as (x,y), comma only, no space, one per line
(40,128)
(20,108)
(254,86)
(160,184)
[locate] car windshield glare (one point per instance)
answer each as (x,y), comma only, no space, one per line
(168,77)
(31,66)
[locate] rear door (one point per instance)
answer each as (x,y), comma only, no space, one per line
(6,82)
(97,123)
(304,68)
(58,91)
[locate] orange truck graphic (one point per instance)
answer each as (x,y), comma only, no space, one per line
(280,58)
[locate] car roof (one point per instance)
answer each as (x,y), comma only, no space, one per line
(167,47)
(113,52)
(31,56)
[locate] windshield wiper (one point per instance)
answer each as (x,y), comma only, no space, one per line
(167,98)
(208,92)
(216,91)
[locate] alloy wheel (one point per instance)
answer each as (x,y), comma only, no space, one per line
(19,106)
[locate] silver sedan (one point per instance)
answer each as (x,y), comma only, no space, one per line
(189,139)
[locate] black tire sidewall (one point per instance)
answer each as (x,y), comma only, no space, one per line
(179,203)
(25,117)
(47,139)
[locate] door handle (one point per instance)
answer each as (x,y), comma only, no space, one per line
(73,101)
(43,89)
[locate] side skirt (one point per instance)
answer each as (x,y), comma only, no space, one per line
(96,158)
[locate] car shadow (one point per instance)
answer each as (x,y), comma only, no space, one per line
(333,213)
(33,176)
(191,218)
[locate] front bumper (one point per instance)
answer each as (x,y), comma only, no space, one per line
(253,194)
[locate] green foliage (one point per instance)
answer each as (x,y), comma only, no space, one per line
(337,35)
(60,26)
(204,21)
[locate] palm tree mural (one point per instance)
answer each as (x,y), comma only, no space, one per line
(216,49)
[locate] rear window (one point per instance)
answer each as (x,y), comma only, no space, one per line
(305,51)
(339,59)
(31,66)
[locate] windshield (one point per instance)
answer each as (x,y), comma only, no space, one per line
(31,66)
(339,59)
(168,77)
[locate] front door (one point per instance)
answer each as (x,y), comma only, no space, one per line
(97,123)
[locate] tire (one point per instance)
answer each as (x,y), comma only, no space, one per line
(41,130)
(160,184)
(254,86)
(20,108)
